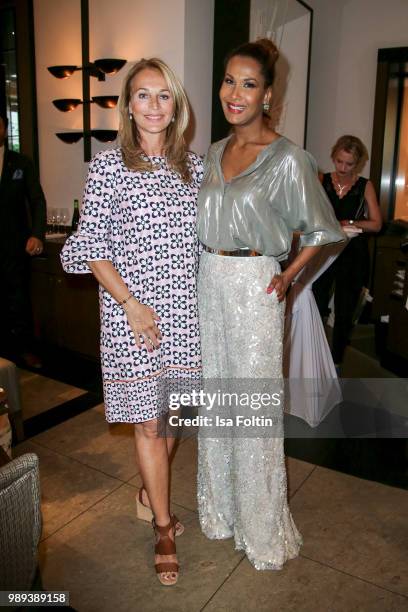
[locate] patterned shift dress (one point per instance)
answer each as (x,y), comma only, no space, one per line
(144,222)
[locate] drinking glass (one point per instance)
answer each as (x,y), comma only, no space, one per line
(52,220)
(64,220)
(58,217)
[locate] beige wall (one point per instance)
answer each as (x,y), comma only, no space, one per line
(124,29)
(346,36)
(57,36)
(198,64)
(127,29)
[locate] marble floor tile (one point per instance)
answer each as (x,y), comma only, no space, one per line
(301,586)
(297,473)
(68,487)
(105,559)
(359,365)
(39,393)
(25,375)
(356,526)
(100,408)
(184,474)
(92,441)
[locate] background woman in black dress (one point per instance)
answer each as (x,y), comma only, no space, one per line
(355,205)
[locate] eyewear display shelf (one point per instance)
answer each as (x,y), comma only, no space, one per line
(65,306)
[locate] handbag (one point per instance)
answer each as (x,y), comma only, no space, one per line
(362,210)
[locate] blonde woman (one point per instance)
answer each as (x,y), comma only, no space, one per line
(355,205)
(137,235)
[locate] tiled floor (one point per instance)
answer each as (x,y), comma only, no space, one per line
(354,557)
(355,533)
(39,393)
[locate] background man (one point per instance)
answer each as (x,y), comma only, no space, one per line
(22,228)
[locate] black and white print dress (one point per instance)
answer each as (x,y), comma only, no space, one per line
(145,223)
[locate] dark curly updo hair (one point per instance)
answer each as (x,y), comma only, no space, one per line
(263,51)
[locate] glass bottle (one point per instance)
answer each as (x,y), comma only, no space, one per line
(75,217)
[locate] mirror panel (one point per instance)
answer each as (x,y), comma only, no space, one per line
(289,24)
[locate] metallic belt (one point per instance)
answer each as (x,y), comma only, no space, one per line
(237,253)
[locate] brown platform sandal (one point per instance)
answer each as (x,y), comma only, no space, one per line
(167,572)
(144,513)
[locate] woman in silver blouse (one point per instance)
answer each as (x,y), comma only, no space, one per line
(258,189)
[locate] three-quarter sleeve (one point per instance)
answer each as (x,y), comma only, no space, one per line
(92,241)
(196,166)
(309,210)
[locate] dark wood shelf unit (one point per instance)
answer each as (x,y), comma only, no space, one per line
(65,306)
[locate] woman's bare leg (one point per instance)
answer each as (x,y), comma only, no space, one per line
(170,442)
(153,460)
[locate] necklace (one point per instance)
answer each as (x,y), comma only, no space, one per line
(339,187)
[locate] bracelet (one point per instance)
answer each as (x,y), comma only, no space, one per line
(123,302)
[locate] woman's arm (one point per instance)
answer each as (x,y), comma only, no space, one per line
(294,249)
(374,221)
(308,212)
(141,318)
(281,282)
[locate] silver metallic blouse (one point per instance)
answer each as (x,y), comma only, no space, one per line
(260,208)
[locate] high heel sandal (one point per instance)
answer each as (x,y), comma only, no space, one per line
(166,571)
(144,513)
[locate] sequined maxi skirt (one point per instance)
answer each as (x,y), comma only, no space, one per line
(242,486)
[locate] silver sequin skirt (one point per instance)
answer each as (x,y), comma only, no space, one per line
(242,487)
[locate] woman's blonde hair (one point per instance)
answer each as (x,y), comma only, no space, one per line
(353,145)
(175,149)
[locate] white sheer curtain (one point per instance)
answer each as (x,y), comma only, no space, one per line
(313,387)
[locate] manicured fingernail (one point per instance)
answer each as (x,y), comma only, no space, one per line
(269,290)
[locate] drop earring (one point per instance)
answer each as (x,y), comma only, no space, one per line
(266,106)
(130,116)
(173,119)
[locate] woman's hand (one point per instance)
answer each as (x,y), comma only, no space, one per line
(280,284)
(142,319)
(373,221)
